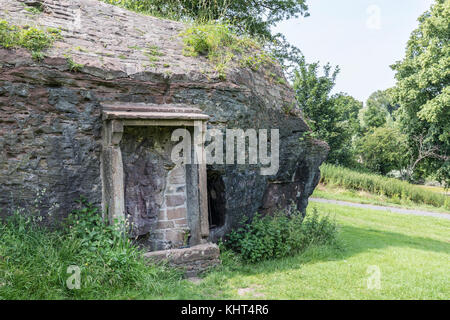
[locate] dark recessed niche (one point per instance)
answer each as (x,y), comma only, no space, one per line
(216,199)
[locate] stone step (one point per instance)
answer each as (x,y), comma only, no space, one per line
(192,260)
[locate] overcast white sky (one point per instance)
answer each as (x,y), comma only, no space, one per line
(363,37)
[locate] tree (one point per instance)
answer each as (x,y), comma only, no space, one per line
(424,151)
(423,91)
(331,118)
(373,117)
(346,110)
(383,150)
(379,109)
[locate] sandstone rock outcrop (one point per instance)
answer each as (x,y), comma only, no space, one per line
(50,116)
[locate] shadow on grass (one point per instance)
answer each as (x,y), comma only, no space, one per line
(353,241)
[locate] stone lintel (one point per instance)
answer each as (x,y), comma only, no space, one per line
(109,115)
(159,122)
(141,111)
(145,107)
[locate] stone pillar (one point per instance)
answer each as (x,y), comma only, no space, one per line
(199,141)
(113,203)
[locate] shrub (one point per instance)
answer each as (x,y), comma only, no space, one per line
(390,187)
(280,235)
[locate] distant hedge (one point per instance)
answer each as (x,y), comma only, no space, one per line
(390,187)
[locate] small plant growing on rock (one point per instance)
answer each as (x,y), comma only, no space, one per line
(221,45)
(31,38)
(187,234)
(35,10)
(73,66)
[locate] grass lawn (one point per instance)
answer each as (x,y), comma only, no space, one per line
(333,192)
(411,253)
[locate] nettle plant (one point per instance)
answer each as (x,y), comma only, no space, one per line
(285,233)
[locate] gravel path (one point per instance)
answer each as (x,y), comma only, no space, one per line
(383,208)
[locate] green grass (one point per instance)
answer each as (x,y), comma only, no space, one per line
(411,252)
(397,190)
(34,261)
(333,192)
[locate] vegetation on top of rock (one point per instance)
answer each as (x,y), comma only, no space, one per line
(35,8)
(73,66)
(253,18)
(222,45)
(31,38)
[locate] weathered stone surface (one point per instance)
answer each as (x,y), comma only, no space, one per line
(146,159)
(192,260)
(50,118)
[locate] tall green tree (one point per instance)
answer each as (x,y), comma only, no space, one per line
(423,93)
(379,110)
(345,110)
(333,118)
(383,149)
(373,116)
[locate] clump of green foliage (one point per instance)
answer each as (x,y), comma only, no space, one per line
(390,187)
(36,8)
(222,45)
(34,259)
(33,10)
(153,53)
(31,38)
(73,66)
(255,18)
(281,235)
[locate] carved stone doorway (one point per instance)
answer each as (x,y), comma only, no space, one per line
(164,201)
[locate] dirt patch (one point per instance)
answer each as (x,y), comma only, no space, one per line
(195,280)
(250,291)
